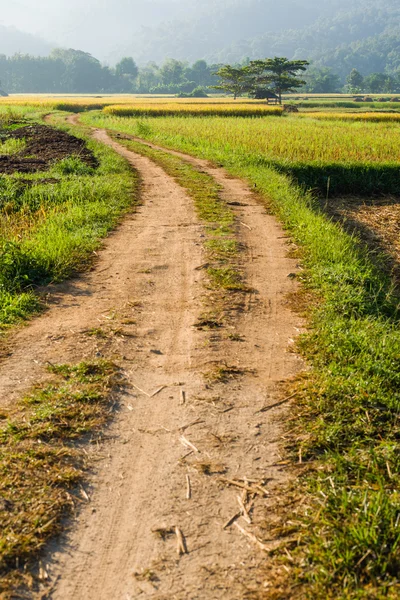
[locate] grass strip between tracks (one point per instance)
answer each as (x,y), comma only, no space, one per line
(222,249)
(42,467)
(347,425)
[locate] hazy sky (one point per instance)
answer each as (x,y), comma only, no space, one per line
(97,26)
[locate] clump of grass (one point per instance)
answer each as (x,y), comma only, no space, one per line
(97,332)
(209,468)
(223,373)
(72,165)
(12,146)
(226,278)
(39,466)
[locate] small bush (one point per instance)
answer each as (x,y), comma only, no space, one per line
(72,165)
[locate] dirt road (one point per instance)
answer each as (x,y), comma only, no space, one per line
(166,467)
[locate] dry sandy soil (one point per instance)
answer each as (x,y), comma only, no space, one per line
(183,445)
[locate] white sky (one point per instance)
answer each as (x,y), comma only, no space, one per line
(91,25)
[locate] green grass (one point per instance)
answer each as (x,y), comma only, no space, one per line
(52,222)
(9,147)
(40,469)
(348,404)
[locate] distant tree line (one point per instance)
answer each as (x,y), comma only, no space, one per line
(324,81)
(76,72)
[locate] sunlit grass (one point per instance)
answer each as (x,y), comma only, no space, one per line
(290,139)
(204,109)
(372,117)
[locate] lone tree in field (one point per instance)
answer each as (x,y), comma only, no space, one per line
(234,80)
(279,75)
(355,82)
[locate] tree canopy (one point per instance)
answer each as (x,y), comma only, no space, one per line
(278,74)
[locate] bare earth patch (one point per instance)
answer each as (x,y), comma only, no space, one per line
(44,146)
(377,221)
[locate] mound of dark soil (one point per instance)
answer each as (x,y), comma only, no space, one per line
(44,146)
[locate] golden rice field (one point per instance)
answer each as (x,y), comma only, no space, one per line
(194,110)
(372,117)
(292,139)
(48,100)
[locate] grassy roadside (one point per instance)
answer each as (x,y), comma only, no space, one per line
(52,222)
(347,410)
(222,253)
(41,467)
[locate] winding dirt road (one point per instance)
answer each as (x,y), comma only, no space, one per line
(178,438)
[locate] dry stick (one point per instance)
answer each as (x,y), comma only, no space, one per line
(84,494)
(142,391)
(188,488)
(197,422)
(188,444)
(186,455)
(253,490)
(266,408)
(47,525)
(232,520)
(244,225)
(244,511)
(252,537)
(183,397)
(181,547)
(158,391)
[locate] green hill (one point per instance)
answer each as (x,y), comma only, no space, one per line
(364,34)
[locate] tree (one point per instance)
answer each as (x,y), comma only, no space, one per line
(82,72)
(172,71)
(199,72)
(355,82)
(376,83)
(127,67)
(233,80)
(278,74)
(321,81)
